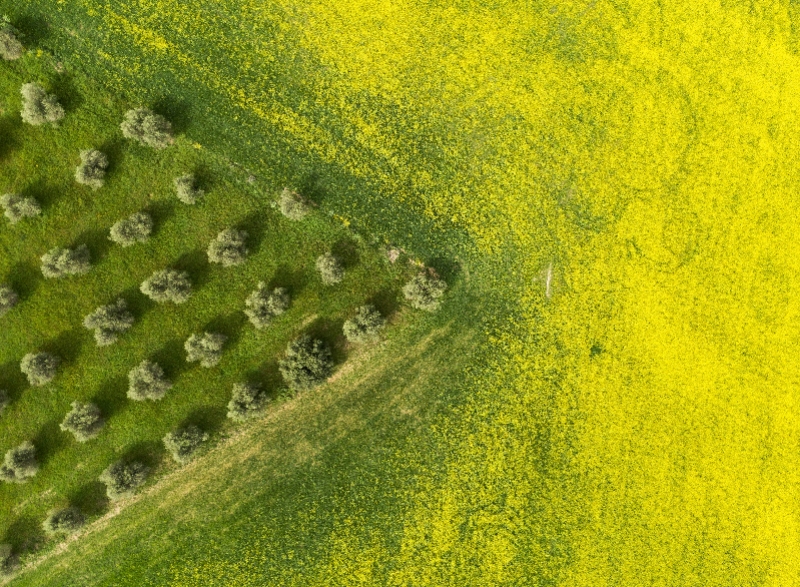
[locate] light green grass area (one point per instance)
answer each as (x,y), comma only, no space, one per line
(40,162)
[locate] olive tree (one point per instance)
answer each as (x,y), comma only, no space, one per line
(92,170)
(425,291)
(365,325)
(148,128)
(108,322)
(60,262)
(228,248)
(136,228)
(330,269)
(293,205)
(39,107)
(147,381)
(122,479)
(306,363)
(167,285)
(247,400)
(19,464)
(63,521)
(10,47)
(186,189)
(16,207)
(262,305)
(8,560)
(84,420)
(184,442)
(8,299)
(40,368)
(205,348)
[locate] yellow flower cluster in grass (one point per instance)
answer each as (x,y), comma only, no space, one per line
(640,424)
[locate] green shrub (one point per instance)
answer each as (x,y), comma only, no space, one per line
(39,107)
(4,399)
(123,479)
(183,443)
(16,207)
(147,381)
(108,322)
(293,205)
(8,560)
(307,363)
(19,464)
(63,521)
(136,228)
(84,421)
(167,285)
(425,291)
(148,128)
(187,190)
(40,368)
(206,348)
(8,299)
(228,248)
(92,170)
(263,305)
(365,326)
(10,47)
(60,262)
(248,400)
(330,269)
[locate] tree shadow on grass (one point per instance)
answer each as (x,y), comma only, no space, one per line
(33,27)
(137,302)
(447,269)
(44,194)
(207,418)
(49,440)
(294,280)
(12,380)
(113,149)
(67,345)
(329,331)
(312,189)
(112,397)
(63,86)
(230,325)
(204,178)
(177,111)
(90,499)
(346,250)
(97,242)
(147,452)
(24,277)
(195,263)
(9,136)
(255,226)
(268,377)
(172,358)
(386,301)
(160,212)
(25,534)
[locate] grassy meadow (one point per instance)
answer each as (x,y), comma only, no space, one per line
(608,396)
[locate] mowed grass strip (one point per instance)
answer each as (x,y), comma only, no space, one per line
(40,162)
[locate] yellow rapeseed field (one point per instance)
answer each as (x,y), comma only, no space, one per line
(640,421)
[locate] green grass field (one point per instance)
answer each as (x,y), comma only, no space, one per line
(608,395)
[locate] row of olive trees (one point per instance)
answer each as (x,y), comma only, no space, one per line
(306,363)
